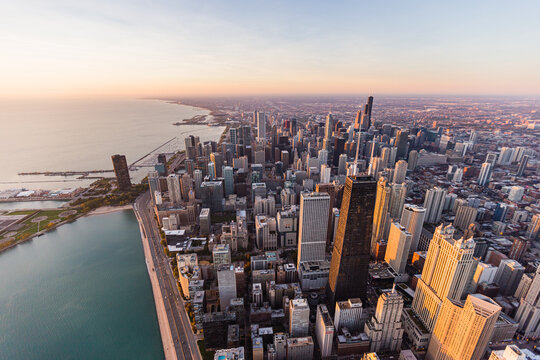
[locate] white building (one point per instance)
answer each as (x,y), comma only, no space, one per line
(324,329)
(226,277)
(397,250)
(348,314)
(298,317)
(385,328)
(412,218)
(314,207)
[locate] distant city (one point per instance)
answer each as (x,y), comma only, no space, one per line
(323,228)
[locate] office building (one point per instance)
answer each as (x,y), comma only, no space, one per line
(205,221)
(463,331)
(221,255)
(227,285)
(397,249)
(230,354)
(465,216)
(266,232)
(298,317)
(511,352)
(402,138)
(312,231)
(445,274)
(400,172)
(385,328)
(434,203)
(412,218)
(533,228)
(121,171)
(228,179)
(173,187)
(350,255)
(508,276)
(324,329)
(528,314)
(261,125)
(485,174)
(348,314)
(212,195)
(380,212)
(300,348)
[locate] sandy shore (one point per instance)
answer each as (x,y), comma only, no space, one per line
(109,209)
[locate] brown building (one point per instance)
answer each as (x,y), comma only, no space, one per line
(121,171)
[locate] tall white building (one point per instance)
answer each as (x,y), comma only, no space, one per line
(397,200)
(485,174)
(325,174)
(400,172)
(323,157)
(463,331)
(173,186)
(324,329)
(528,314)
(505,157)
(397,250)
(385,328)
(516,193)
(348,314)
(446,274)
(412,218)
(314,207)
(266,232)
(298,317)
(226,277)
(434,203)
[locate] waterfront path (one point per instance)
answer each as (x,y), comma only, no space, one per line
(178,339)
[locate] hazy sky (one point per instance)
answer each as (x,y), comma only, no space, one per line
(153,48)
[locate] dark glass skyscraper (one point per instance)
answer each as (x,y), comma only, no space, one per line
(121,171)
(402,138)
(350,256)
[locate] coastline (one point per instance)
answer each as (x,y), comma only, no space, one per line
(102,210)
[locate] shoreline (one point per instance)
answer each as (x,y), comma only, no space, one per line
(103,210)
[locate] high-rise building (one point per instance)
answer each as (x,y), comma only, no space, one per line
(413,160)
(330,189)
(300,348)
(516,193)
(173,186)
(485,174)
(463,331)
(385,328)
(397,250)
(324,328)
(511,352)
(412,218)
(342,164)
(465,216)
(533,228)
(528,314)
(121,171)
(221,255)
(153,184)
(348,314)
(380,212)
(298,317)
(261,125)
(402,138)
(228,179)
(329,127)
(434,204)
(358,120)
(197,179)
(508,276)
(312,231)
(522,165)
(226,277)
(350,256)
(212,195)
(400,172)
(266,232)
(445,274)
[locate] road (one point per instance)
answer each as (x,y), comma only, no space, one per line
(185,344)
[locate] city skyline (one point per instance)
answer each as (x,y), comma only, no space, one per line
(117,49)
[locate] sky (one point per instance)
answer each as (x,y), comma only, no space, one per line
(55,48)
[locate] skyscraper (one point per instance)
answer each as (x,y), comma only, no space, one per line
(228,176)
(463,331)
(508,276)
(329,127)
(485,174)
(446,273)
(402,139)
(350,256)
(434,203)
(173,186)
(385,328)
(528,314)
(357,120)
(380,212)
(397,250)
(324,329)
(314,208)
(465,216)
(227,285)
(400,172)
(298,317)
(121,171)
(534,227)
(522,165)
(261,125)
(412,218)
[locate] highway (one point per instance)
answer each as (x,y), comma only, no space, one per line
(185,344)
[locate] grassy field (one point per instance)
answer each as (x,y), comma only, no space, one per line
(30,227)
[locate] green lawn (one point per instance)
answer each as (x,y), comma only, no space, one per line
(31,228)
(22,212)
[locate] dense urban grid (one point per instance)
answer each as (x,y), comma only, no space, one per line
(315,229)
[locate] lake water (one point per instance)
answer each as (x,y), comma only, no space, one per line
(61,135)
(79,292)
(18,205)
